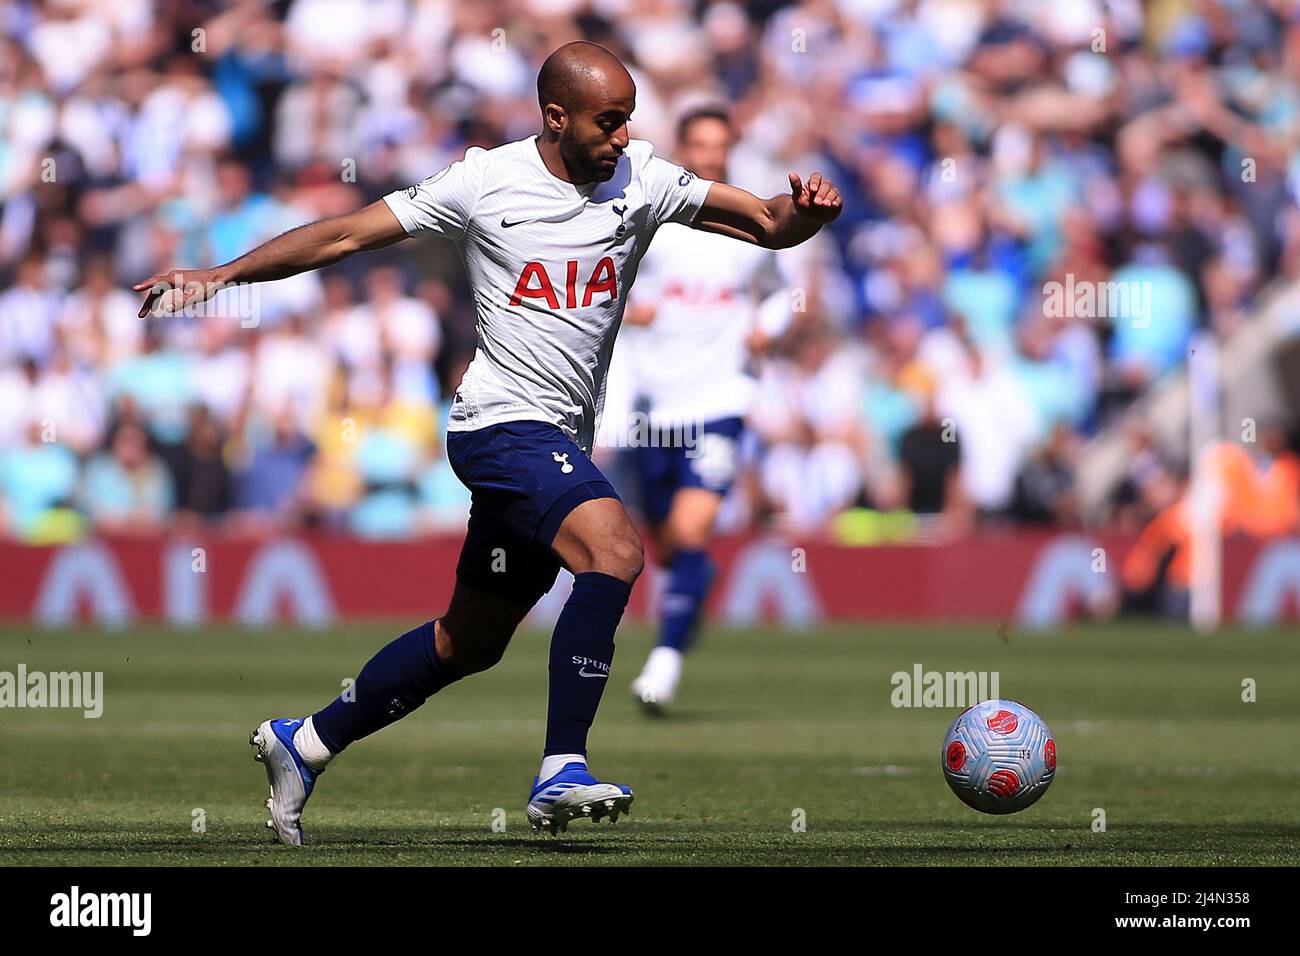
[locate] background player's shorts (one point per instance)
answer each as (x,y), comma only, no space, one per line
(711,465)
(524,479)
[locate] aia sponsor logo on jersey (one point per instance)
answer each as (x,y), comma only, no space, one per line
(1003,722)
(534,282)
(1049,754)
(698,293)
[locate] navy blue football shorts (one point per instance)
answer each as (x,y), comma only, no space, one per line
(710,463)
(524,479)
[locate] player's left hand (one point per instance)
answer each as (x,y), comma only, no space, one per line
(817,199)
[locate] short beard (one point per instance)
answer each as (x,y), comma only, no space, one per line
(580,165)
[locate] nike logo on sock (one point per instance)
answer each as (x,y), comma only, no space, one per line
(582,672)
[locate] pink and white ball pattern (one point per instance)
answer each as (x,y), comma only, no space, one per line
(999,756)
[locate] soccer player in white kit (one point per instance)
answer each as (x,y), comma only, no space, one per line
(688,347)
(551,230)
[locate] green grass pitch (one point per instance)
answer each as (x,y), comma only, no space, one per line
(771,726)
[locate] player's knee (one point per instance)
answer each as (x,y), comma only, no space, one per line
(475,650)
(690,525)
(480,658)
(632,556)
(622,556)
(691,536)
(599,536)
(474,659)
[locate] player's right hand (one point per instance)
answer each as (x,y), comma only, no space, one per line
(171,291)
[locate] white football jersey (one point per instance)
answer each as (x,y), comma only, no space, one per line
(549,264)
(692,363)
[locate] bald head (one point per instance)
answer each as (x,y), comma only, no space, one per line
(586,95)
(577,71)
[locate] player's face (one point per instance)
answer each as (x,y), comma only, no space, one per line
(705,148)
(596,133)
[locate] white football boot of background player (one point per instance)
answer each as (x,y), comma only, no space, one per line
(657,684)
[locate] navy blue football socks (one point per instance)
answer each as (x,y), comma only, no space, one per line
(393,683)
(408,671)
(582,649)
(689,579)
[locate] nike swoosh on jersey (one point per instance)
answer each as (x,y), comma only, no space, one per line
(563,217)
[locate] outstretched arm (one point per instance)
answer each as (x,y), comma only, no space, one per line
(313,246)
(776,223)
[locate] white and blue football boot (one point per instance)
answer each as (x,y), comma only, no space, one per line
(573,793)
(291,780)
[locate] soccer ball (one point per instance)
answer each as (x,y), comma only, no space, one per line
(999,756)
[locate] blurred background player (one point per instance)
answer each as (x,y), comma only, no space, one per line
(693,326)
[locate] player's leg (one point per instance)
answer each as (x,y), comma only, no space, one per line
(658,469)
(685,535)
(489,601)
(690,530)
(577,515)
(661,546)
(469,638)
(598,542)
(699,482)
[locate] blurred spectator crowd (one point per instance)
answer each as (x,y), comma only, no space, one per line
(986,149)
